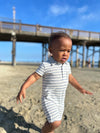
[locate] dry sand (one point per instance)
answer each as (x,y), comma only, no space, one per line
(81,115)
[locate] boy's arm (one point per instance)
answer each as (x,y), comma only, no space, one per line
(29,81)
(74,83)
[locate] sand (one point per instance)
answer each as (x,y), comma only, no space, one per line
(81,115)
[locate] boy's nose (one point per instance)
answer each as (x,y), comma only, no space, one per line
(65,52)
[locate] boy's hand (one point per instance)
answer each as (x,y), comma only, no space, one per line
(21,94)
(86,92)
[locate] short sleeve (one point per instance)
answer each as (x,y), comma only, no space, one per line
(41,69)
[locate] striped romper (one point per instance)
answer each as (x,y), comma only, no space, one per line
(55,81)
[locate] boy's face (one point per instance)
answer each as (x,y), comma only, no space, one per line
(60,49)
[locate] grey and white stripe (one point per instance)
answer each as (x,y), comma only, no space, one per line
(55,81)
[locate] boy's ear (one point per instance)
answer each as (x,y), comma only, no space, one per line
(50,50)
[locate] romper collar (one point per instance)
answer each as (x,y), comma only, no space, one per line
(53,62)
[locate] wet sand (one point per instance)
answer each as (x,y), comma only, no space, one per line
(81,115)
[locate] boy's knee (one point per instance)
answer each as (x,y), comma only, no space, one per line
(55,124)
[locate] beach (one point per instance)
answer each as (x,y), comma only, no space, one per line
(81,114)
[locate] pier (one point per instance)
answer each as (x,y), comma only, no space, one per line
(19,32)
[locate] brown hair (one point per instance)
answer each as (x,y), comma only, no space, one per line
(57,35)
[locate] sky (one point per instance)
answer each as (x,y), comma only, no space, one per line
(77,14)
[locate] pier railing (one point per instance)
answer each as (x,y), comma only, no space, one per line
(38,30)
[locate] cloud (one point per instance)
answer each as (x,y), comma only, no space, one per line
(58,10)
(88,16)
(82,9)
(85,14)
(72,17)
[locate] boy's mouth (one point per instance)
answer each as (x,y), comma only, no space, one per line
(63,59)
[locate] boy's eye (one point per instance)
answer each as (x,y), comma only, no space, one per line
(68,51)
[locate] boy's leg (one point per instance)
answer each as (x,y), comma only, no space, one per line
(50,127)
